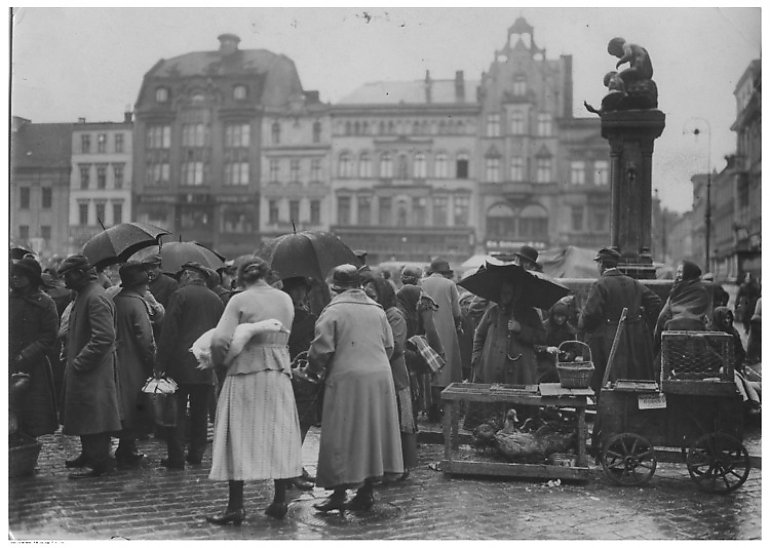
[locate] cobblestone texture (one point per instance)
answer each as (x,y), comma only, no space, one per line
(153,503)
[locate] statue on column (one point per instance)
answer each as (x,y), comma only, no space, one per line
(632,88)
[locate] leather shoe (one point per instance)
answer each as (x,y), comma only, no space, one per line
(229,516)
(78,462)
(277,510)
(361,502)
(333,502)
(171,464)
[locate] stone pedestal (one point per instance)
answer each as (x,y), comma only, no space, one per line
(632,134)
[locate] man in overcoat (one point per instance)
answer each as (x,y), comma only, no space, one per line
(606,299)
(91,407)
(161,286)
(192,310)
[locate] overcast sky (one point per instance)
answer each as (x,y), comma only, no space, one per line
(89,62)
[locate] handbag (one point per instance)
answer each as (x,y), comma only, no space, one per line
(162,395)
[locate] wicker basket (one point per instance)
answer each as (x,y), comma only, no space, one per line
(22,458)
(576,373)
(696,355)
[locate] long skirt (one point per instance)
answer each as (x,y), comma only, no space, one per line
(408,427)
(256,431)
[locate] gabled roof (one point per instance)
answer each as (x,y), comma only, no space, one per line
(41,146)
(412,92)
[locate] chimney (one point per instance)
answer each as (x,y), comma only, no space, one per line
(128,117)
(228,43)
(428,91)
(459,86)
(81,120)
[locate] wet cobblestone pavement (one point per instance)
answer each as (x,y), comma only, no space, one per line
(152,503)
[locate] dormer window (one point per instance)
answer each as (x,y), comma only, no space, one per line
(239,93)
(161,95)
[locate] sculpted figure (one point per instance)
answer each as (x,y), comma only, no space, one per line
(640,66)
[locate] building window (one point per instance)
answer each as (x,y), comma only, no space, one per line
(45,232)
(117,213)
(543,170)
(462,166)
(599,221)
(462,208)
(237,173)
(46,198)
(275,132)
(117,174)
(385,212)
(192,173)
(101,177)
(24,232)
(441,166)
(83,213)
(346,165)
(533,223)
(315,212)
(294,211)
(101,143)
(195,217)
(239,93)
(158,174)
(601,173)
(402,217)
(520,86)
(294,170)
(193,135)
(492,169)
(364,166)
(161,95)
(100,210)
(159,137)
(544,124)
(343,210)
(577,173)
(517,123)
(419,210)
(493,125)
(85,143)
(577,218)
(237,135)
(517,169)
(386,165)
(272,212)
(315,170)
(420,166)
(501,222)
(440,210)
(274,170)
(119,142)
(85,175)
(316,132)
(364,210)
(237,220)
(24,197)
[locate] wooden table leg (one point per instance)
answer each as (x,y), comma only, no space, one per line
(581,436)
(447,425)
(455,412)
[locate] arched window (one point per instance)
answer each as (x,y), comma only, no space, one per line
(364,165)
(533,223)
(386,165)
(346,165)
(441,166)
(420,166)
(501,222)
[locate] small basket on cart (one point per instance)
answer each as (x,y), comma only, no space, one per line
(575,365)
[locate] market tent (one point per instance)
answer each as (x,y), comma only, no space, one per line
(569,262)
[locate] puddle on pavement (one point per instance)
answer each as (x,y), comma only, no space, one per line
(302,510)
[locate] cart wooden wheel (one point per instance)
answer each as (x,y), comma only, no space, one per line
(718,463)
(629,459)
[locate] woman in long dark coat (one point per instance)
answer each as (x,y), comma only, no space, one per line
(33,327)
(136,356)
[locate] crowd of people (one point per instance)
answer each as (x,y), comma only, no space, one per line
(362,356)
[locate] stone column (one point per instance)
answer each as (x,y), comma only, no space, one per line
(632,134)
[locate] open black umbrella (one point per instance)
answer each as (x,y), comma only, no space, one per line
(18,253)
(174,254)
(539,291)
(116,244)
(308,254)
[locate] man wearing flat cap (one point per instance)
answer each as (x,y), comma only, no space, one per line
(192,310)
(161,286)
(443,290)
(601,312)
(91,407)
(136,356)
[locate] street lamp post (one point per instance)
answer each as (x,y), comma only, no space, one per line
(707,216)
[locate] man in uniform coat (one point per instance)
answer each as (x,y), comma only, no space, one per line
(91,402)
(606,299)
(192,310)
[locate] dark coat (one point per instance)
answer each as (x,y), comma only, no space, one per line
(162,287)
(302,331)
(192,310)
(136,352)
(32,330)
(91,404)
(599,320)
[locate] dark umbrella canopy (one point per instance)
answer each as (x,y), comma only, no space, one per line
(308,254)
(538,290)
(116,244)
(174,254)
(17,253)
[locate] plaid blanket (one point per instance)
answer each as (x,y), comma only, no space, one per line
(433,359)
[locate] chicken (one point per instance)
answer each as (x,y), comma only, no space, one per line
(484,437)
(519,444)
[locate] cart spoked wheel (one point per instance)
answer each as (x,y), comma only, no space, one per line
(718,463)
(629,459)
